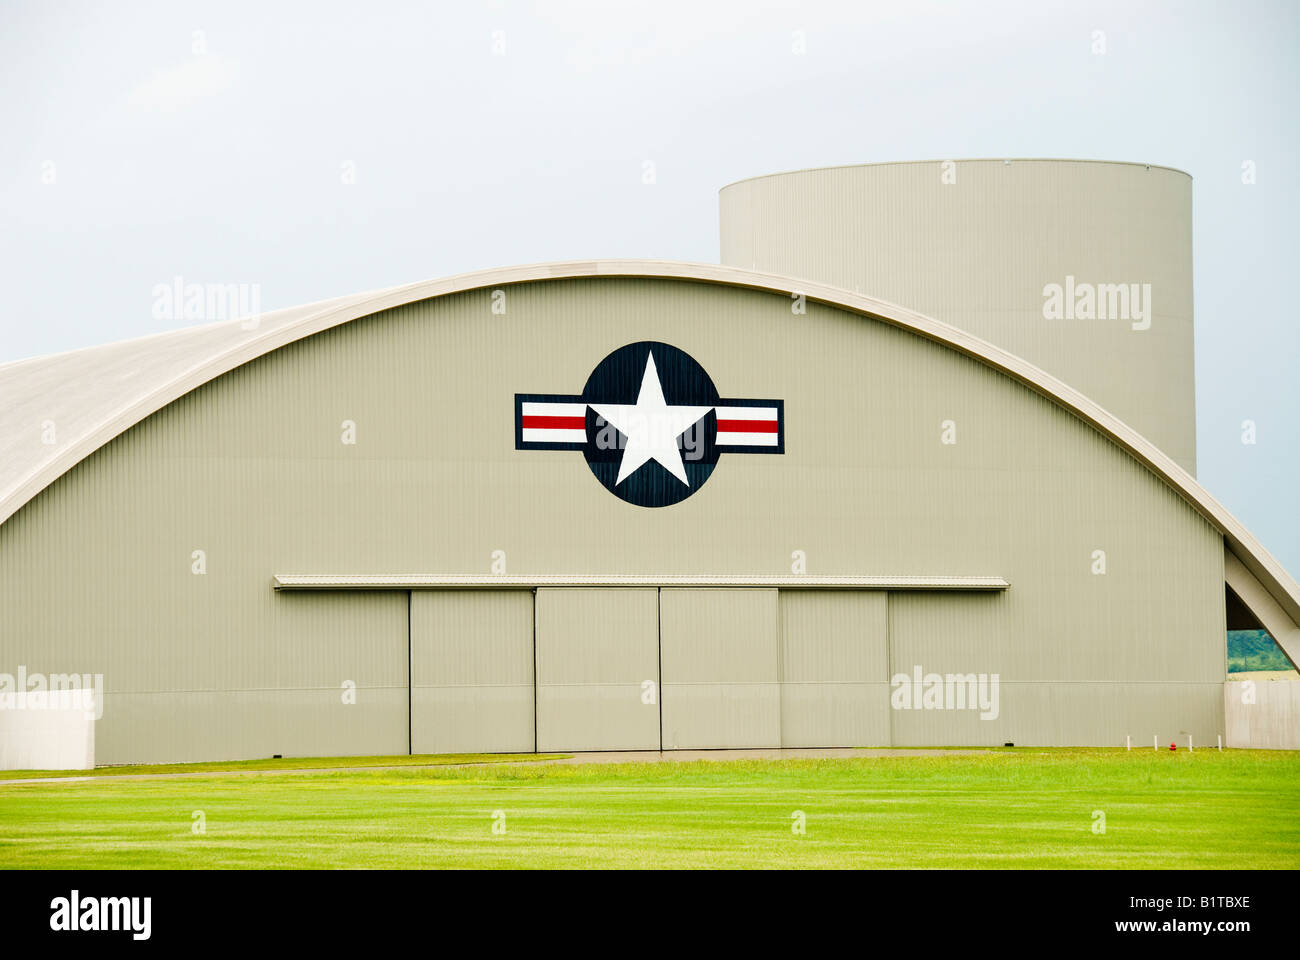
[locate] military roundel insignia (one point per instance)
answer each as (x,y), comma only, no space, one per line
(650,424)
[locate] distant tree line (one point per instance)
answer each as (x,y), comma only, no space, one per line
(1254,650)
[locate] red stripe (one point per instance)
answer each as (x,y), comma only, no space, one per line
(555,423)
(747,426)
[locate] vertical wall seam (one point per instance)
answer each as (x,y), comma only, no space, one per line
(889,663)
(659,651)
(536,693)
(410,679)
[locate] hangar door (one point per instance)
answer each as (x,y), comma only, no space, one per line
(597,669)
(834,668)
(472,671)
(646,668)
(721,668)
(768,668)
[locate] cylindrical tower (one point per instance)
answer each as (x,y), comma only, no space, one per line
(1083,268)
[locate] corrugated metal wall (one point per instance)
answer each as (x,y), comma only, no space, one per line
(330,678)
(974,245)
(834,669)
(472,671)
(596,650)
(1057,683)
(721,668)
(96,572)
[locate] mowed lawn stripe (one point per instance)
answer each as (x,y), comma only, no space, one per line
(1012,809)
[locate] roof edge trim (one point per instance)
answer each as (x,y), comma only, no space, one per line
(924,163)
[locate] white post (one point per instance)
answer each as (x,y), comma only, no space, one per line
(1155,742)
(1220,743)
(1189,743)
(1129,740)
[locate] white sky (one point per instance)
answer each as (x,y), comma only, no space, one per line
(226,167)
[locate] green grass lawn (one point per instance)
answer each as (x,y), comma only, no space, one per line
(289,763)
(1017,808)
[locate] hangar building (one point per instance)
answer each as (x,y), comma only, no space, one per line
(644,505)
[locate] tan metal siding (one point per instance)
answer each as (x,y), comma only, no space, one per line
(1070,713)
(95,572)
(721,668)
(472,671)
(834,674)
(595,650)
(172,684)
(1105,670)
(977,254)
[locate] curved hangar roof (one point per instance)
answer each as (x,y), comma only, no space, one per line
(90,396)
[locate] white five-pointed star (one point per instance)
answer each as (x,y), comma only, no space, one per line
(651,427)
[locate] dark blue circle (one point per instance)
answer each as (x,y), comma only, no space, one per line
(617,379)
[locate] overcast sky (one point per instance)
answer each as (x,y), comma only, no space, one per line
(214,141)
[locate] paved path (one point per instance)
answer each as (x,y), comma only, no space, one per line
(786,753)
(628,756)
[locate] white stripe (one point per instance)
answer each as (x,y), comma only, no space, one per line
(748,439)
(536,409)
(534,435)
(746,413)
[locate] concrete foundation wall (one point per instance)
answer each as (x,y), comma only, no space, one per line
(48,731)
(1262,714)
